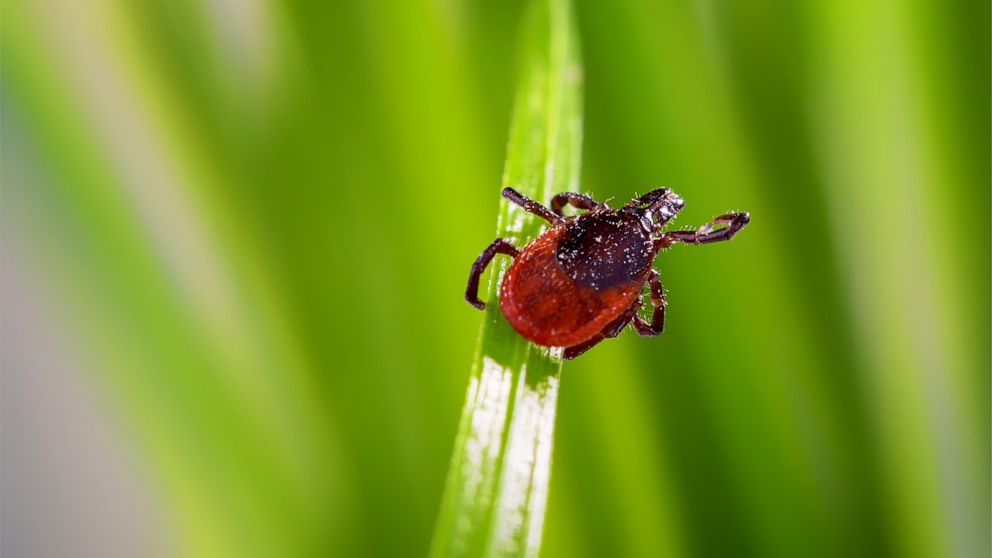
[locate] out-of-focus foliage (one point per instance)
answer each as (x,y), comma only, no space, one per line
(253,222)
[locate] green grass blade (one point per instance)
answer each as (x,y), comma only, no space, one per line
(498,482)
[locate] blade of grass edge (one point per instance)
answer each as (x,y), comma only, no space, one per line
(497,484)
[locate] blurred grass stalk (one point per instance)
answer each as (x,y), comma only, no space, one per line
(497,484)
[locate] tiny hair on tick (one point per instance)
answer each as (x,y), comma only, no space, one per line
(581,280)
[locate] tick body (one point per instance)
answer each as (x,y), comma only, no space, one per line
(581,280)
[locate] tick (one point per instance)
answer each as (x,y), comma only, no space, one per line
(581,280)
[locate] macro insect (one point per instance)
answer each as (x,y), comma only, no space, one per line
(581,281)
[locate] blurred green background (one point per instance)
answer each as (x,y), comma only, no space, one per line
(236,235)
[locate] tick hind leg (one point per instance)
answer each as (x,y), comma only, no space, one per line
(645,328)
(657,324)
(531,206)
(705,235)
(579,201)
(499,246)
(611,330)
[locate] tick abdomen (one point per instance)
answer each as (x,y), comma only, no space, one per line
(550,299)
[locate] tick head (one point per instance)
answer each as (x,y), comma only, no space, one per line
(656,208)
(663,210)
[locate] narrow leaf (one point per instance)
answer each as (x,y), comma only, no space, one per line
(498,482)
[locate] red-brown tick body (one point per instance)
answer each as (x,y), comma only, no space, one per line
(581,280)
(578,276)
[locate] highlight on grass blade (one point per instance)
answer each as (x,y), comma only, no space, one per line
(497,486)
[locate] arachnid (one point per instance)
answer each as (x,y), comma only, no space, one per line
(581,281)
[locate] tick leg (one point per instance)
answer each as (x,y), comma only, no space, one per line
(580,201)
(611,330)
(657,324)
(531,206)
(646,329)
(499,246)
(706,234)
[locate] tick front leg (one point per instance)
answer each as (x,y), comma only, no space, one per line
(531,206)
(499,246)
(705,235)
(657,324)
(579,201)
